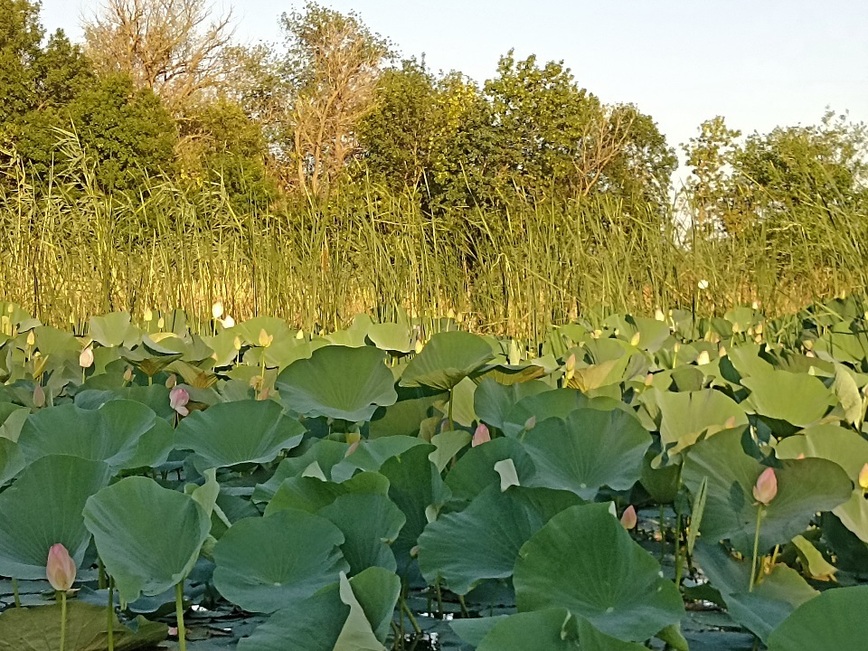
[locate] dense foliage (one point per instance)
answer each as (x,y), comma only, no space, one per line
(679,480)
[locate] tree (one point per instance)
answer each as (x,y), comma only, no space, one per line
(20,38)
(334,61)
(556,140)
(172,47)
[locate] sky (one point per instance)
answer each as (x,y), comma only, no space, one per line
(758,63)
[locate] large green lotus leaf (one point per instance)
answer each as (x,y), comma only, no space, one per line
(113,330)
(774,597)
(312,494)
(123,433)
(687,415)
(493,401)
(11,460)
(339,382)
(264,563)
(797,398)
(482,541)
(329,620)
(550,629)
(38,629)
(805,487)
(834,620)
(247,431)
(370,524)
(558,403)
(415,486)
(322,454)
(43,507)
(392,337)
(583,560)
(12,419)
(147,536)
(371,454)
(846,448)
(588,450)
(446,360)
(474,471)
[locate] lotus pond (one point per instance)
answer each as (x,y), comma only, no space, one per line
(668,482)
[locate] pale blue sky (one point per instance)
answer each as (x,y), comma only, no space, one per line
(759,63)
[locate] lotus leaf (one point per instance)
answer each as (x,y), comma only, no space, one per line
(123,433)
(588,450)
(248,431)
(446,360)
(483,541)
(834,620)
(583,560)
(338,382)
(264,564)
(124,519)
(330,620)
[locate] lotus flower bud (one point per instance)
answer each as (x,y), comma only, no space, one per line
(236,343)
(85,360)
(299,334)
(703,358)
(570,364)
(649,379)
(265,339)
(658,314)
(530,423)
(702,284)
(178,399)
(148,316)
(419,346)
(161,323)
(629,518)
(863,478)
(38,396)
(228,322)
(766,487)
(634,340)
(128,375)
(755,305)
(481,435)
(31,338)
(217,310)
(171,381)
(60,568)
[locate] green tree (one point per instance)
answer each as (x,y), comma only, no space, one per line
(20,38)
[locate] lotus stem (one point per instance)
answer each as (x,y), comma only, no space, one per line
(63,620)
(110,611)
(101,579)
(413,622)
(15,593)
(179,613)
(753,561)
(678,568)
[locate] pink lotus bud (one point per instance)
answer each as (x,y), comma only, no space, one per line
(530,423)
(863,478)
(85,360)
(38,396)
(481,435)
(178,399)
(60,568)
(628,518)
(766,487)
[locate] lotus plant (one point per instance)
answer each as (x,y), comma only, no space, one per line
(764,491)
(60,570)
(863,478)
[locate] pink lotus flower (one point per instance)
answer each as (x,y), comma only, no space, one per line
(178,399)
(629,518)
(60,568)
(85,360)
(766,487)
(481,435)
